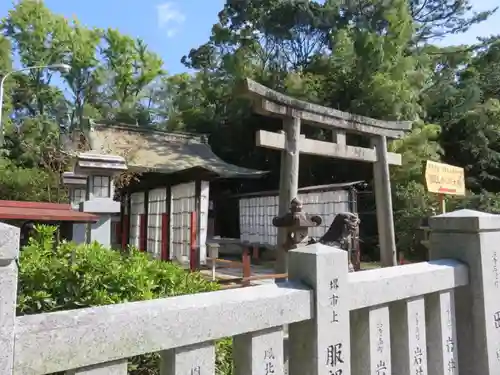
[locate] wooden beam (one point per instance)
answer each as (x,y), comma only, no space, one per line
(270,102)
(276,141)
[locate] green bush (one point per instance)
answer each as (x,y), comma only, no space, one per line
(69,276)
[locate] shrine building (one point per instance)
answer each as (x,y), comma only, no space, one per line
(166,203)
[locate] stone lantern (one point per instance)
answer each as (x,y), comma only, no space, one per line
(77,186)
(99,171)
(297,224)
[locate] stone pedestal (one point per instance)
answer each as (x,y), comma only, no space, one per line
(472,237)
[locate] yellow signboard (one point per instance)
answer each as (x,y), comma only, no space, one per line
(444,178)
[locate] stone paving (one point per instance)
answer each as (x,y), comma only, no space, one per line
(228,273)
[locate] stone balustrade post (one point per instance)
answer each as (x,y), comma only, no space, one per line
(321,346)
(9,252)
(473,238)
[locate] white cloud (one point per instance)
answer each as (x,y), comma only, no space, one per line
(171,33)
(169,18)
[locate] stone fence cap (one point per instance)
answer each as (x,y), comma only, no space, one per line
(467,221)
(9,242)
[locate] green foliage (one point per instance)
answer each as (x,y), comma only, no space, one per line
(483,201)
(437,18)
(29,184)
(373,58)
(68,276)
(411,201)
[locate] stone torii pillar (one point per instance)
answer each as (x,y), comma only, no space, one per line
(293,112)
(289,183)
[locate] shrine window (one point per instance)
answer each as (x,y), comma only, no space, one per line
(101,186)
(78,196)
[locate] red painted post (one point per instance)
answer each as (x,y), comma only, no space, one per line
(255,252)
(192,243)
(402,260)
(164,237)
(247,266)
(143,230)
(118,232)
(125,227)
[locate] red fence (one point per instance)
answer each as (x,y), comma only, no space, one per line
(193,246)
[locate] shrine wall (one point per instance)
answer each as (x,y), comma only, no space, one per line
(257,210)
(173,210)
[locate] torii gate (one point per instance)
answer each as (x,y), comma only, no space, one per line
(269,102)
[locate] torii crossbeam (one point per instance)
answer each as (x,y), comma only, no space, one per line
(268,102)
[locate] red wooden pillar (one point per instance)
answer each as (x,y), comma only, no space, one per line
(124,231)
(247,265)
(402,259)
(255,252)
(164,237)
(143,232)
(118,232)
(192,242)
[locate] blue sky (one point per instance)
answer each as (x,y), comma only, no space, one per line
(172,28)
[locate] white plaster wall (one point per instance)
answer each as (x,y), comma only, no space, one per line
(204,205)
(136,209)
(79,233)
(101,231)
(257,213)
(78,195)
(182,203)
(156,207)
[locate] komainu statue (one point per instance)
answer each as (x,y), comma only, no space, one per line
(297,223)
(340,234)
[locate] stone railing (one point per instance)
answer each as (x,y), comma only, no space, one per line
(399,320)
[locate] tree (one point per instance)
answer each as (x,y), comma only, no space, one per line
(464,100)
(28,184)
(5,67)
(411,201)
(130,68)
(438,18)
(86,76)
(39,38)
(367,57)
